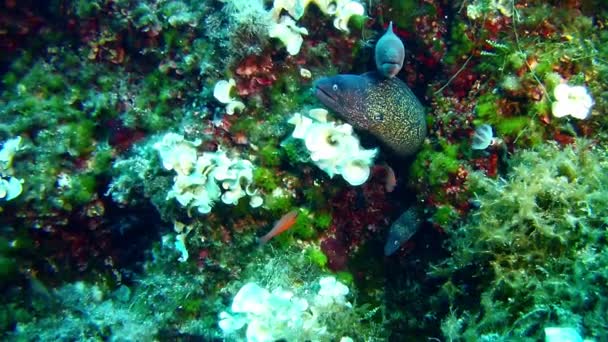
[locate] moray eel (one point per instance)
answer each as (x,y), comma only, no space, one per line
(385,107)
(389,53)
(377,101)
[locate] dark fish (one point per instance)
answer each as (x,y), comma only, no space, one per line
(402,230)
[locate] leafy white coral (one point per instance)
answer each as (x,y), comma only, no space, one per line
(286,30)
(10,187)
(333,148)
(276,315)
(221,92)
(571,100)
(9,148)
(284,26)
(197,176)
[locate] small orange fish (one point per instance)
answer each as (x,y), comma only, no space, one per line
(284,223)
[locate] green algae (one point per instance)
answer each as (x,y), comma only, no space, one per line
(266,179)
(270,155)
(436,165)
(528,236)
(316,256)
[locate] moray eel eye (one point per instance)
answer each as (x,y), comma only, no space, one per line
(334,87)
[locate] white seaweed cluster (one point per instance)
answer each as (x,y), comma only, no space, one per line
(333,148)
(284,26)
(203,179)
(10,187)
(280,315)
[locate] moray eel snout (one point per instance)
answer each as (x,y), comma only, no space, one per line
(346,95)
(324,92)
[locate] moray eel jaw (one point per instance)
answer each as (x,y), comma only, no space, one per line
(345,95)
(325,94)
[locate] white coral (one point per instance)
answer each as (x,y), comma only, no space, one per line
(288,33)
(221,92)
(285,29)
(203,179)
(9,148)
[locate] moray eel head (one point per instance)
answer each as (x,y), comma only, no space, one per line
(389,53)
(345,95)
(378,102)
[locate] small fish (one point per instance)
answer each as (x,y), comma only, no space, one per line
(285,222)
(390,182)
(401,231)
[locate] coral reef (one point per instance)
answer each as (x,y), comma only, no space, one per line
(148,147)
